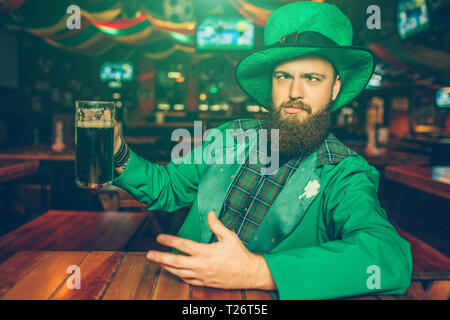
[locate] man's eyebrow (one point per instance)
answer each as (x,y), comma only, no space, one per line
(282,72)
(320,75)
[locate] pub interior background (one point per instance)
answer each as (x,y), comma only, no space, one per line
(401,119)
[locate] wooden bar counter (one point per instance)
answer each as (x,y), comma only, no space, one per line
(114,275)
(36,261)
(434,180)
(37,275)
(38,151)
(13,169)
(73,230)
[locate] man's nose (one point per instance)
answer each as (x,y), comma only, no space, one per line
(296,90)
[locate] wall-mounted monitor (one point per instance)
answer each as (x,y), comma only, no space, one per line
(375,82)
(412,17)
(443,97)
(225,33)
(116,71)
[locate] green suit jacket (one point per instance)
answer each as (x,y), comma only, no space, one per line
(325,236)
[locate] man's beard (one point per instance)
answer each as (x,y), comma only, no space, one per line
(299,138)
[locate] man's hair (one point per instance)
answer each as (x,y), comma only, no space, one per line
(336,73)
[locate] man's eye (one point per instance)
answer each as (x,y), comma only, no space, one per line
(313,79)
(281,77)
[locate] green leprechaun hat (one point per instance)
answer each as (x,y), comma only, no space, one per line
(302,28)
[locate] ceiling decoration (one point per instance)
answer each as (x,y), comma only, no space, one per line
(157,29)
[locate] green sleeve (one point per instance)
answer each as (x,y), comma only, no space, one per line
(161,187)
(164,187)
(365,255)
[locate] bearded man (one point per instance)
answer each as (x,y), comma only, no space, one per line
(313,228)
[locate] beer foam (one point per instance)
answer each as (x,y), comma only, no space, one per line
(95,124)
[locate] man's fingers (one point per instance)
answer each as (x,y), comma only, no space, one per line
(172,259)
(181,273)
(193,281)
(185,245)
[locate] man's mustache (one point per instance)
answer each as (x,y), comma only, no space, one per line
(297,105)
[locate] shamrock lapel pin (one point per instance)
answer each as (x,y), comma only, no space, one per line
(311,189)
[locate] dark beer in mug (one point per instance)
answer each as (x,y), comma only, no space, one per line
(94,148)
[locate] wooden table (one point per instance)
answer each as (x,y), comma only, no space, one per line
(73,230)
(13,169)
(439,148)
(103,275)
(119,275)
(397,158)
(55,170)
(38,151)
(422,178)
(9,171)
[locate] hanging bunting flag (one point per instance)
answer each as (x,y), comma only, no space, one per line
(10,5)
(100,10)
(419,55)
(257,15)
(136,30)
(258,11)
(166,25)
(414,73)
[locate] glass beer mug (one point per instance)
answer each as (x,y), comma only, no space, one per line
(94,143)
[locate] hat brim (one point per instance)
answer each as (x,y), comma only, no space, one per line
(355,66)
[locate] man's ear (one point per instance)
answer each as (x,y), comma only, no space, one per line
(336,87)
